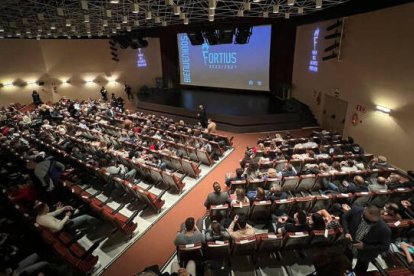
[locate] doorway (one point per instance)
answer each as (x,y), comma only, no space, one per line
(334,114)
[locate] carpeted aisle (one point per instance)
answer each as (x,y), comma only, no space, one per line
(156,245)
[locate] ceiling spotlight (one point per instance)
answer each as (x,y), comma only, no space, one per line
(125,19)
(28,31)
(318,4)
(128,28)
(52,26)
(60,11)
(291,2)
(73,29)
(212,4)
(135,8)
(25,22)
(276,8)
(287,15)
(40,16)
(256,1)
(18,34)
(108,13)
(105,23)
(164,23)
(186,21)
(114,1)
(114,31)
(68,23)
(240,13)
(1,29)
(86,18)
(169,2)
(177,10)
(265,14)
(157,20)
(148,15)
(300,10)
(136,22)
(211,12)
(118,26)
(84,4)
(211,18)
(87,25)
(182,16)
(383,109)
(247,6)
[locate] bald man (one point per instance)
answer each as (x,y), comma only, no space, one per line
(378,184)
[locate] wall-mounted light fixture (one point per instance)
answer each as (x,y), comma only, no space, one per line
(383,109)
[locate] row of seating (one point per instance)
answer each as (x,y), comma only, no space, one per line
(192,153)
(149,199)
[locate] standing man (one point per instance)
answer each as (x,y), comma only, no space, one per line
(36,98)
(368,233)
(128,91)
(104,94)
(202,116)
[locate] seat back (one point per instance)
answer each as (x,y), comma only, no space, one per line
(204,157)
(272,181)
(260,210)
(244,247)
(322,237)
(237,184)
(280,165)
(290,183)
(189,252)
(217,250)
(321,202)
(192,153)
(269,242)
(190,168)
(218,211)
(283,206)
(293,240)
(242,208)
(362,198)
(306,182)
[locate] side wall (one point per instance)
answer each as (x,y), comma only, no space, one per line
(377,68)
(57,61)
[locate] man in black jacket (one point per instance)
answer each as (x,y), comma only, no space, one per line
(368,233)
(202,116)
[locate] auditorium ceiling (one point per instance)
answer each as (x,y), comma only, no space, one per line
(38,19)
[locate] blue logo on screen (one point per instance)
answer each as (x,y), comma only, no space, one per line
(142,62)
(185,58)
(313,63)
(219,60)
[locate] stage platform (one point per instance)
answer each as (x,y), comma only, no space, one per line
(232,111)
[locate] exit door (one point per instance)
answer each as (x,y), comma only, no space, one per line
(334,114)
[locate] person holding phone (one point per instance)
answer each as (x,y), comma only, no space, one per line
(245,230)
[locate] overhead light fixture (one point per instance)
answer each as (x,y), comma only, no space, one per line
(240,13)
(318,4)
(18,34)
(113,30)
(25,22)
(212,4)
(276,8)
(136,22)
(169,2)
(52,26)
(211,12)
(186,21)
(105,23)
(247,6)
(108,13)
(87,25)
(256,1)
(287,15)
(114,1)
(118,26)
(383,109)
(59,11)
(300,10)
(148,15)
(177,10)
(135,8)
(68,24)
(157,20)
(291,2)
(266,14)
(211,18)
(28,31)
(86,18)
(164,23)
(73,29)
(84,4)
(125,19)
(182,16)
(1,29)
(40,16)
(128,28)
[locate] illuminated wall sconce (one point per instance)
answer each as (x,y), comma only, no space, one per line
(88,81)
(8,84)
(383,109)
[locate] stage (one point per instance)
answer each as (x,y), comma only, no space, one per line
(232,111)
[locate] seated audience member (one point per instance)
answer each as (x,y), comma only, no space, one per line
(379,163)
(289,170)
(271,173)
(241,197)
(190,234)
(48,219)
(390,213)
(252,172)
(211,127)
(317,222)
(120,170)
(310,144)
(216,233)
(244,230)
(275,193)
(299,223)
(357,149)
(217,197)
(407,249)
(48,172)
(378,184)
(239,176)
(260,194)
(24,193)
(348,166)
(368,232)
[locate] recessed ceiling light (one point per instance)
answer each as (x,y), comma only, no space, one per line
(60,11)
(135,8)
(148,15)
(125,19)
(276,8)
(291,2)
(318,4)
(84,4)
(177,10)
(186,21)
(114,1)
